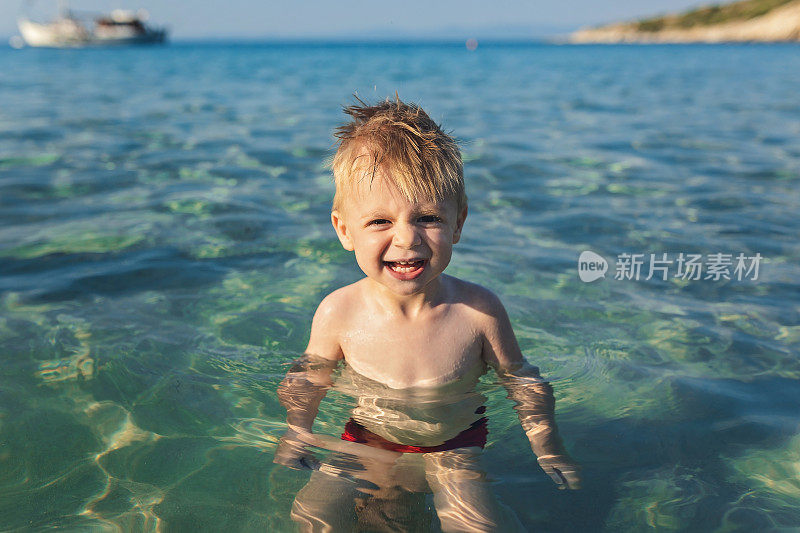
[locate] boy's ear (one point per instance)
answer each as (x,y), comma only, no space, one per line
(337,219)
(460,225)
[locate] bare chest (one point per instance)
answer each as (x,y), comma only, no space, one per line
(404,354)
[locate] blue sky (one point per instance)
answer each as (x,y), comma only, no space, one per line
(362,19)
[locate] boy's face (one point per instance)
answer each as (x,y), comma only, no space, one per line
(400,244)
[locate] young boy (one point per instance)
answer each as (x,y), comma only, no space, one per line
(400,205)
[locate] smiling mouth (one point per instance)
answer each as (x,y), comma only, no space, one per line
(405,269)
(404,266)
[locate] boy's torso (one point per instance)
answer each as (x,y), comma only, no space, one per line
(440,345)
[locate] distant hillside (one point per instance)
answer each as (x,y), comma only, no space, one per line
(747,20)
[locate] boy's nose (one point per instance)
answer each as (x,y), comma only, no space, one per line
(406,236)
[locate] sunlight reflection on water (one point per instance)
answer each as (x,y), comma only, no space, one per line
(165,240)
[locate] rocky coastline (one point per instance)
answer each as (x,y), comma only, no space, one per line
(780,24)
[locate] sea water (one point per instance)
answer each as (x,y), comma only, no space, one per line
(165,238)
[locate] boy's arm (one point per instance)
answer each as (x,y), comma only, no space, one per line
(306,384)
(303,389)
(532,396)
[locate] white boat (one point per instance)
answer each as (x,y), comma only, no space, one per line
(73,29)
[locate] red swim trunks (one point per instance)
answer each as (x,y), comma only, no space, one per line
(474,435)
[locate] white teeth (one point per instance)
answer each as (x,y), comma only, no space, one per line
(404,266)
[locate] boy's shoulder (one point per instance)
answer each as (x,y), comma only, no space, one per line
(342,297)
(489,316)
(335,303)
(328,323)
(476,297)
(340,304)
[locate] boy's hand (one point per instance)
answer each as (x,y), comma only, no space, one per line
(293,452)
(562,470)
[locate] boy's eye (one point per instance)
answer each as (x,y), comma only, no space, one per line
(429,218)
(377,222)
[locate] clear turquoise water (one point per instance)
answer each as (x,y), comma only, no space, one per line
(164,240)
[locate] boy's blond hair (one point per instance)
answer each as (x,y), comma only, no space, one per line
(402,140)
